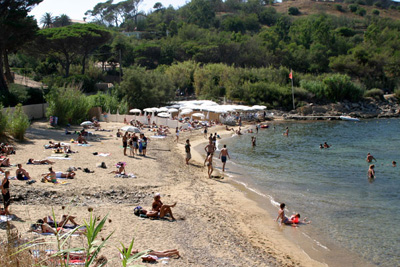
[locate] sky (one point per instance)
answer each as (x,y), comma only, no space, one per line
(76,9)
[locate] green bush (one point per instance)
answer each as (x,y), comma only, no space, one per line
(378,4)
(375,12)
(374,93)
(317,88)
(108,102)
(83,82)
(3,121)
(361,12)
(294,11)
(69,104)
(361,2)
(339,87)
(353,8)
(18,123)
(397,93)
(339,8)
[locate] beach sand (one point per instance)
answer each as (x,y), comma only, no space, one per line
(217,225)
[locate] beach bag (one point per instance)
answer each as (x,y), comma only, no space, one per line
(137,210)
(149,258)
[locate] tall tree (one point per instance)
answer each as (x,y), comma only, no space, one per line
(70,43)
(13,19)
(47,20)
(62,21)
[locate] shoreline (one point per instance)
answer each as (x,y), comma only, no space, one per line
(326,254)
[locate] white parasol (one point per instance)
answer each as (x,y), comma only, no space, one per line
(200,115)
(164,115)
(131,129)
(135,110)
(86,123)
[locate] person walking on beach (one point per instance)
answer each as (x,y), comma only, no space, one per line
(370,158)
(210,148)
(371,172)
(210,164)
(177,134)
(5,191)
(205,131)
(222,155)
(125,142)
(144,144)
(187,150)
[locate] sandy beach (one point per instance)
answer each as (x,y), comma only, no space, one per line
(217,225)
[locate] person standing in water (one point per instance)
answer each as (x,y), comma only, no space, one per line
(253,141)
(371,172)
(222,155)
(370,158)
(286,132)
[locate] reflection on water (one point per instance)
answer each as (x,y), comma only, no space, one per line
(330,186)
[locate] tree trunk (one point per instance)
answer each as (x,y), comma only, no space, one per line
(3,82)
(83,64)
(9,77)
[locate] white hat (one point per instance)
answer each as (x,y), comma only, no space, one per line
(157,195)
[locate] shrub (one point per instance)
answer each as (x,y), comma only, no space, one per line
(353,8)
(339,87)
(108,102)
(294,11)
(317,88)
(69,104)
(397,93)
(361,2)
(392,7)
(375,12)
(374,93)
(3,121)
(18,123)
(339,8)
(378,4)
(361,12)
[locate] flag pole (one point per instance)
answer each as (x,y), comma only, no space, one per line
(291,77)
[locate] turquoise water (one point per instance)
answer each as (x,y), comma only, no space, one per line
(330,186)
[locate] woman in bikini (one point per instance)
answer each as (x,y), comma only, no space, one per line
(5,191)
(159,209)
(210,164)
(39,162)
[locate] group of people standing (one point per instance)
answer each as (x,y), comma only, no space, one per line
(137,144)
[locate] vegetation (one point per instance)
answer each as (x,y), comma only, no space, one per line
(214,49)
(3,121)
(18,123)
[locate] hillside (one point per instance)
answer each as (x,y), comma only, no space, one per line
(309,7)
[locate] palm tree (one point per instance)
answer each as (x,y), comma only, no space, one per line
(47,20)
(62,20)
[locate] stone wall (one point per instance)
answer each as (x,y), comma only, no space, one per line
(37,111)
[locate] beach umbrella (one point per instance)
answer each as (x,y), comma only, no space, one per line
(186,111)
(86,123)
(172,110)
(200,115)
(150,110)
(163,115)
(163,109)
(130,129)
(135,110)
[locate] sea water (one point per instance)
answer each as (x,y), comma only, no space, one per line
(329,186)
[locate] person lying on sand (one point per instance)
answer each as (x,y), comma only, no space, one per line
(6,149)
(52,175)
(159,209)
(42,227)
(5,162)
(160,254)
(39,162)
(120,168)
(21,173)
(64,220)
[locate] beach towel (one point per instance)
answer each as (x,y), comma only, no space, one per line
(104,154)
(6,218)
(84,144)
(129,175)
(158,136)
(58,158)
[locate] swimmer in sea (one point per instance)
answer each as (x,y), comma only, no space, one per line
(253,141)
(286,132)
(222,155)
(371,172)
(321,146)
(394,163)
(370,158)
(326,145)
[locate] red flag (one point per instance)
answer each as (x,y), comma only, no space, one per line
(290,75)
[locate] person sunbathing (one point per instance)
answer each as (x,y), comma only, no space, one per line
(62,223)
(5,162)
(81,139)
(39,162)
(120,168)
(52,176)
(21,173)
(160,254)
(159,209)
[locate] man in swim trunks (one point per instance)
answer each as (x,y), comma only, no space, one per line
(210,148)
(187,150)
(253,141)
(370,158)
(222,155)
(281,214)
(21,173)
(125,142)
